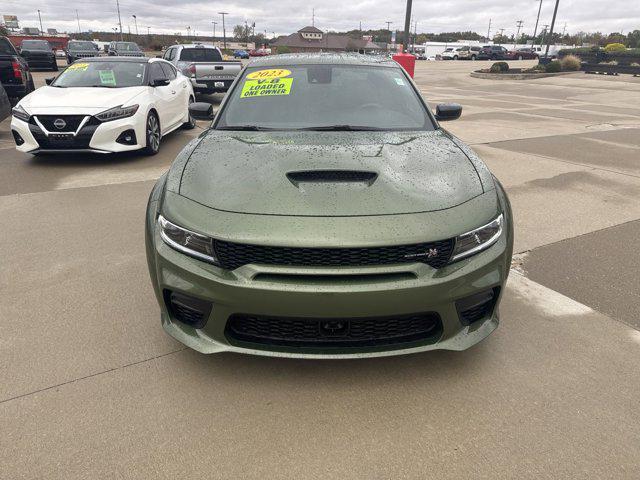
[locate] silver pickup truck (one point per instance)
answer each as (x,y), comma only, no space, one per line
(204,65)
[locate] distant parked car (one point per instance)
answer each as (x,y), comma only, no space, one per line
(493,52)
(523,54)
(452,53)
(240,54)
(125,49)
(469,53)
(80,49)
(258,53)
(38,54)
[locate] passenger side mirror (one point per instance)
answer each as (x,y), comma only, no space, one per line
(50,80)
(448,111)
(160,82)
(201,110)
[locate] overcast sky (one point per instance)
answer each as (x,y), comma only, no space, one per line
(286,16)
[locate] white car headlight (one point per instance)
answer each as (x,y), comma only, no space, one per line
(117,113)
(193,244)
(477,240)
(20,113)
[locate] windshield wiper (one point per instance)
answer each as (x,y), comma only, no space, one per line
(251,128)
(342,128)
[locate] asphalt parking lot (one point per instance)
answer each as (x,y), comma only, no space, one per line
(91,386)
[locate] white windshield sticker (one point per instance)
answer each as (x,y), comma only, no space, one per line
(399,81)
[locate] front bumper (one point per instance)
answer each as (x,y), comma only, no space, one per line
(327,293)
(94,136)
(44,62)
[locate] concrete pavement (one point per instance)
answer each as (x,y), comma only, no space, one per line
(91,387)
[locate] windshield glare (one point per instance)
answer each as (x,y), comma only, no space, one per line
(102,74)
(308,96)
(127,47)
(36,45)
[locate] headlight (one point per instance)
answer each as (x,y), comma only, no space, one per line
(20,113)
(477,240)
(117,113)
(186,241)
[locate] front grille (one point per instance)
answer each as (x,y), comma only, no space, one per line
(234,255)
(62,141)
(333,332)
(72,122)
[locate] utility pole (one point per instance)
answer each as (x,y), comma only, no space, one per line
(214,33)
(519,25)
(407,25)
(135,20)
(564,29)
(489,31)
(501,32)
(389,29)
(544,34)
(148,32)
(41,30)
(313,17)
(553,22)
(119,19)
(224,30)
(78,18)
(535,29)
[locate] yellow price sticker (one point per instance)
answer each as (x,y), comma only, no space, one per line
(266,87)
(78,66)
(271,73)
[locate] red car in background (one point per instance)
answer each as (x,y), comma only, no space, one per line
(523,54)
(258,53)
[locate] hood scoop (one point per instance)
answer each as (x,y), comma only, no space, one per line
(332,176)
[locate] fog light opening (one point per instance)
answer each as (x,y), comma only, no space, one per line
(128,137)
(478,306)
(189,310)
(16,136)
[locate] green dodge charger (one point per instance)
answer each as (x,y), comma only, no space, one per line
(326,214)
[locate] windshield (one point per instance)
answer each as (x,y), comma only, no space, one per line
(127,47)
(36,45)
(81,46)
(200,55)
(102,74)
(340,97)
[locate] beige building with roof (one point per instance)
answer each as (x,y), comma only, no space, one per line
(312,39)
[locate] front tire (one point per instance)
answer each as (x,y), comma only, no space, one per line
(152,134)
(455,57)
(473,58)
(519,57)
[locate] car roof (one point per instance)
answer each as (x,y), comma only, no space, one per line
(193,45)
(292,59)
(118,59)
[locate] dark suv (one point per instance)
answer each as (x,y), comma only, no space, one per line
(493,52)
(15,76)
(38,54)
(80,49)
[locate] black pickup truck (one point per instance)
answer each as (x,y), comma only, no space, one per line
(14,71)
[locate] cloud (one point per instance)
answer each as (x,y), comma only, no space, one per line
(286,16)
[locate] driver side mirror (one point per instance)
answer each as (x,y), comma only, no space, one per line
(448,111)
(160,82)
(201,110)
(50,80)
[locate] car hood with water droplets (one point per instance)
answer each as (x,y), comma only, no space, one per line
(247,172)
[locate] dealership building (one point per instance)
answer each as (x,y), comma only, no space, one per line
(312,39)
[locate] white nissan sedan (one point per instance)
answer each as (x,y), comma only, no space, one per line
(109,104)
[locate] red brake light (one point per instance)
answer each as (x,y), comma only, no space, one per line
(191,70)
(17,69)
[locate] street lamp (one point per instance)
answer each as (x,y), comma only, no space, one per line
(135,20)
(224,31)
(214,33)
(41,30)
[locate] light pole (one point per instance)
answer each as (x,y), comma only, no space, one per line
(489,31)
(550,35)
(407,26)
(78,18)
(135,20)
(119,19)
(41,30)
(535,30)
(519,25)
(224,31)
(214,33)
(389,29)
